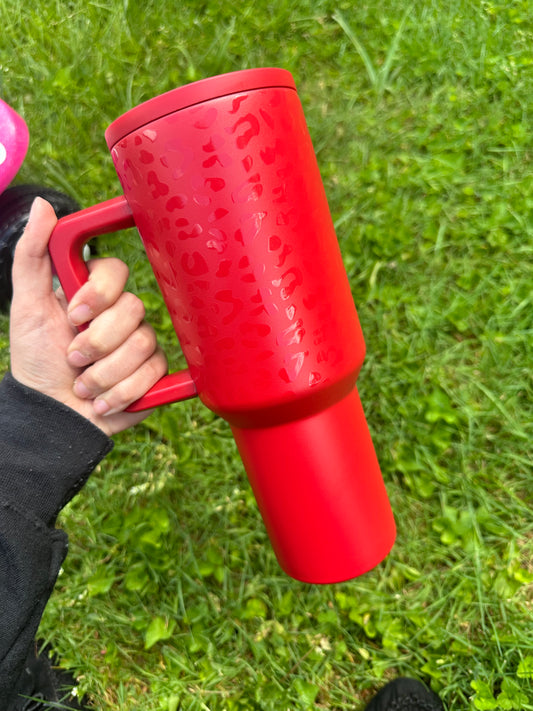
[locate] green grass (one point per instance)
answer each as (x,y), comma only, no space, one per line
(421,118)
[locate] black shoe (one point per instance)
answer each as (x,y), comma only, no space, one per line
(44,686)
(405,695)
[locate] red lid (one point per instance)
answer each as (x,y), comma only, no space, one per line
(195,93)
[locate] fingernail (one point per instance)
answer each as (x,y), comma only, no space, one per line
(78,359)
(80,314)
(81,390)
(101,407)
(36,207)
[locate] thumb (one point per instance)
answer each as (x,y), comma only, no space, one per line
(32,268)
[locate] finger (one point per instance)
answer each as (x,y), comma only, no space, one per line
(32,269)
(107,331)
(122,421)
(107,279)
(121,395)
(105,373)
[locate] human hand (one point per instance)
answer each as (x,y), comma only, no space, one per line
(99,371)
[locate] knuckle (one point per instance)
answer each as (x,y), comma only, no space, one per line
(134,305)
(160,361)
(96,345)
(107,277)
(111,265)
(119,396)
(120,268)
(143,340)
(93,380)
(158,365)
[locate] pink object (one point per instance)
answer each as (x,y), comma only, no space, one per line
(14,140)
(221,180)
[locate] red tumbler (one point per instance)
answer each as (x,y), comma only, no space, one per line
(221,180)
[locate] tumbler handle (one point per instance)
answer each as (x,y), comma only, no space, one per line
(66,250)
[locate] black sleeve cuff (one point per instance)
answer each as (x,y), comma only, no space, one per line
(47,450)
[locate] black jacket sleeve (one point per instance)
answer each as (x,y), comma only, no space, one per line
(47,452)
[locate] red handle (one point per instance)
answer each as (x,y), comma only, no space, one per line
(66,247)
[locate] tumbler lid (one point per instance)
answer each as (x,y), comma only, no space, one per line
(195,93)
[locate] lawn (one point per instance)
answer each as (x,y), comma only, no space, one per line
(421,116)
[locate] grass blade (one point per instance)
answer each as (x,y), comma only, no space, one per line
(371,70)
